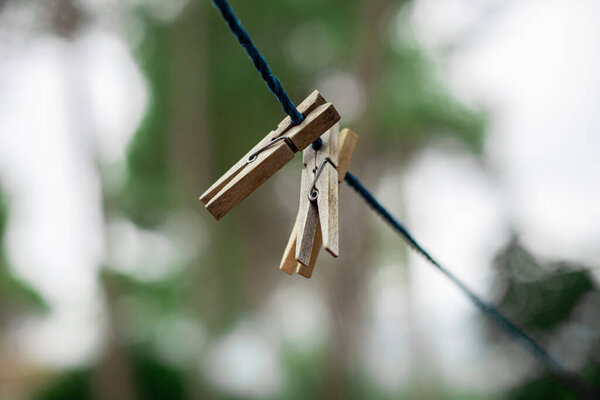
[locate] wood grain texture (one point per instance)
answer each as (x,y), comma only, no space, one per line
(288,261)
(307,106)
(315,125)
(329,147)
(308,217)
(327,185)
(254,175)
(324,210)
(307,270)
(347,145)
(327,203)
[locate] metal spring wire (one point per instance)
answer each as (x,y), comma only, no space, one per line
(313,192)
(252,157)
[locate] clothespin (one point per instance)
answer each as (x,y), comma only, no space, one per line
(270,155)
(317,221)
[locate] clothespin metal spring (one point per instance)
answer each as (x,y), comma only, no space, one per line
(254,156)
(313,193)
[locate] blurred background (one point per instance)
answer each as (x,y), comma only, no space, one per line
(478,127)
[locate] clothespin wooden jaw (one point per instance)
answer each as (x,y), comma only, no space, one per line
(317,224)
(270,155)
(318,197)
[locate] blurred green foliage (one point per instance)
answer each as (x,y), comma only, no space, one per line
(154,381)
(148,193)
(547,387)
(75,385)
(539,297)
(16,296)
(414,105)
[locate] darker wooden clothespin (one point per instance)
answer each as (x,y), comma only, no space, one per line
(270,155)
(317,220)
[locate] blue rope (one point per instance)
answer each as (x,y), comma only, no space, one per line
(259,61)
(558,368)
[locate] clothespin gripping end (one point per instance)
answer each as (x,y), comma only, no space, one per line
(347,144)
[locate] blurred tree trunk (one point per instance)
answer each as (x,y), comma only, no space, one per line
(190,150)
(112,378)
(347,290)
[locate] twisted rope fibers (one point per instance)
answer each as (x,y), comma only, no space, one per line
(555,366)
(259,61)
(569,378)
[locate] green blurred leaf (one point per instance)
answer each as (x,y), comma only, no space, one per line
(539,297)
(14,292)
(74,385)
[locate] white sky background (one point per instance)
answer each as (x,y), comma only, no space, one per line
(531,64)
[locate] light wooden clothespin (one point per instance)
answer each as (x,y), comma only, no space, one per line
(317,221)
(270,155)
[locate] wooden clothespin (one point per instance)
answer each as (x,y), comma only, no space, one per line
(270,155)
(317,222)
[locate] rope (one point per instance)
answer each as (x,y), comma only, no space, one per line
(571,379)
(259,61)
